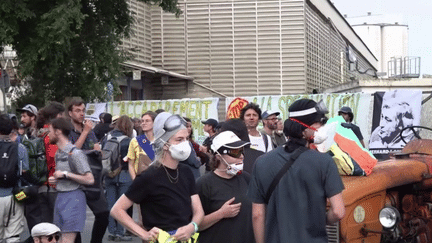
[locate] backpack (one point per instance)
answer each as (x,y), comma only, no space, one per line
(111,157)
(38,170)
(92,192)
(9,164)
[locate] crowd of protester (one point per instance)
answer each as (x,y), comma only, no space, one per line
(217,189)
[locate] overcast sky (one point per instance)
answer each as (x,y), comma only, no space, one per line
(417,14)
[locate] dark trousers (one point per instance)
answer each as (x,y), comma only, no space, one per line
(40,209)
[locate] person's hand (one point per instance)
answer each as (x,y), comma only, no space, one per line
(58,174)
(88,126)
(151,235)
(52,180)
(184,233)
(97,146)
(203,149)
(229,210)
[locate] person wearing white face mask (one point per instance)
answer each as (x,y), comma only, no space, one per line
(166,191)
(223,194)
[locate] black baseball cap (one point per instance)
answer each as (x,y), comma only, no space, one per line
(212,122)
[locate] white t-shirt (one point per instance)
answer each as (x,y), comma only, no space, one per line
(257,143)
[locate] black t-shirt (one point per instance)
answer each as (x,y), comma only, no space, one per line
(296,211)
(214,191)
(164,204)
(355,129)
(101,129)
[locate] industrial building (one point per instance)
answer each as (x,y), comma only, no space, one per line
(226,48)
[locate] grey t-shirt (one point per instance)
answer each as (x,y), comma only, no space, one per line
(296,211)
(79,166)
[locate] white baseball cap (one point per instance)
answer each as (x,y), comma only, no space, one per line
(29,108)
(44,229)
(227,139)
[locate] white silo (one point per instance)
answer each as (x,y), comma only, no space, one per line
(385,41)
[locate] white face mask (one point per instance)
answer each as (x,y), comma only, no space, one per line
(321,135)
(180,151)
(233,169)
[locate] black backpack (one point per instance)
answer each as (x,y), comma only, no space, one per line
(94,159)
(9,164)
(38,170)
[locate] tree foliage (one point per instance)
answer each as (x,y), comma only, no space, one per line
(68,47)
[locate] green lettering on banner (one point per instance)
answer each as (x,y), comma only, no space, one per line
(167,106)
(281,102)
(121,104)
(160,105)
(262,102)
(206,104)
(130,103)
(153,106)
(144,107)
(198,127)
(184,108)
(333,100)
(175,107)
(255,100)
(290,99)
(191,112)
(356,106)
(136,103)
(269,103)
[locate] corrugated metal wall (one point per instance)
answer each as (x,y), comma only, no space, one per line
(238,48)
(244,48)
(140,44)
(325,65)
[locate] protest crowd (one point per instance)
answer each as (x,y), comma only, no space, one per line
(147,177)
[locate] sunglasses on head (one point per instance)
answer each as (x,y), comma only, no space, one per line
(52,237)
(235,153)
(173,122)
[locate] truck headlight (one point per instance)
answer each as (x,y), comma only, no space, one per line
(389,217)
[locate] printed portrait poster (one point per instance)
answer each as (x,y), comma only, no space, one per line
(393,111)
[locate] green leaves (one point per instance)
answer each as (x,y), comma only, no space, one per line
(68,47)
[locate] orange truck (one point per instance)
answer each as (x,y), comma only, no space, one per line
(393,203)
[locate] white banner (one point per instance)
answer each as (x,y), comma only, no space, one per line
(195,109)
(360,103)
(93,110)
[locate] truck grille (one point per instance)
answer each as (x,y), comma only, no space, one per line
(333,233)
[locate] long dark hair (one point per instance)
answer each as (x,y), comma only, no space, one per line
(48,113)
(125,125)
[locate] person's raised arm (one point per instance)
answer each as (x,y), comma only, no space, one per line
(258,221)
(118,212)
(88,125)
(337,209)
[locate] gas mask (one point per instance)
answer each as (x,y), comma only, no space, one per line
(180,151)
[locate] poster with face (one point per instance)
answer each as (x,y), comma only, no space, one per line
(393,111)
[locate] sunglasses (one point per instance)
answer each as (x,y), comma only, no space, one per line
(235,153)
(52,237)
